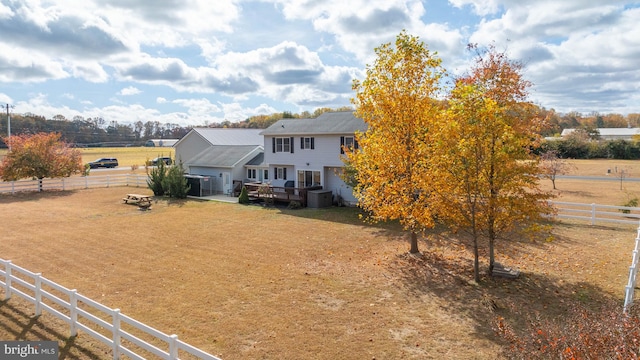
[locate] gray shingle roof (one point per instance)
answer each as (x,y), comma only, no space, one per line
(340,122)
(221,136)
(222,155)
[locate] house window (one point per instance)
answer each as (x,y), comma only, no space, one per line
(347,142)
(306,143)
(281,173)
(265,175)
(251,174)
(282,144)
(307,178)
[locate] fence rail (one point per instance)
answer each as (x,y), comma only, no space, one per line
(122,333)
(630,289)
(74,182)
(594,213)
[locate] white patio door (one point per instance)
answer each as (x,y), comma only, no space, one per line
(226,183)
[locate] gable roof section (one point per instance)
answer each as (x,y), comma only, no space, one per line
(222,136)
(339,122)
(223,155)
(257,160)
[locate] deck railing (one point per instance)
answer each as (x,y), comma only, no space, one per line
(120,332)
(268,192)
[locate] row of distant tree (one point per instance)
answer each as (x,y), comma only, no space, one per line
(101,132)
(97,131)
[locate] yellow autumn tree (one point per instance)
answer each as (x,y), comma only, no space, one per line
(484,173)
(398,101)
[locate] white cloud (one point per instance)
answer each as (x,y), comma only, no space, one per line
(130,90)
(480,7)
(233,58)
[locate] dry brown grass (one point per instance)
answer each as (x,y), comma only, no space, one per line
(246,282)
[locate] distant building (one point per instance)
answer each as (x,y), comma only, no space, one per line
(610,133)
(161,142)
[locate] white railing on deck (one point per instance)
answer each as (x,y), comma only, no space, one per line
(107,325)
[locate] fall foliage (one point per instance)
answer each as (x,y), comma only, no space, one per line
(465,158)
(484,173)
(607,333)
(397,101)
(39,156)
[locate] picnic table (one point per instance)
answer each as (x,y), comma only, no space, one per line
(140,200)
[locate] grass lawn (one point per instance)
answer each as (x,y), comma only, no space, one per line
(247,282)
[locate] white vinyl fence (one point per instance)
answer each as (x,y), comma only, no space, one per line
(633,271)
(594,213)
(126,336)
(75,182)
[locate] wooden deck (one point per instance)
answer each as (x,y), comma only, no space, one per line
(265,192)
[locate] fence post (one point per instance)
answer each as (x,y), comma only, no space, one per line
(593,214)
(116,334)
(7,280)
(173,347)
(86,182)
(38,294)
(73,312)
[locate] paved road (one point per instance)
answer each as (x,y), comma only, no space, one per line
(596,178)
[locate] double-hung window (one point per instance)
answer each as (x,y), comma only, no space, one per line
(282,144)
(281,173)
(347,142)
(307,143)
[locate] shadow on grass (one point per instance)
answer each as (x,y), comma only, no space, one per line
(25,196)
(19,325)
(517,301)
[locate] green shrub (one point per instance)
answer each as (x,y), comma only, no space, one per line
(630,203)
(175,184)
(294,205)
(156,178)
(244,196)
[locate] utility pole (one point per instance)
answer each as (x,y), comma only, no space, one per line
(8,124)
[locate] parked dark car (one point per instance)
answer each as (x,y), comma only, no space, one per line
(154,162)
(104,162)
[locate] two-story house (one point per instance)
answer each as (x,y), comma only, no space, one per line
(308,152)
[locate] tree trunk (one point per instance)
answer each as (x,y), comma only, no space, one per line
(491,255)
(476,261)
(414,243)
(492,258)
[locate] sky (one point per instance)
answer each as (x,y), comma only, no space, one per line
(197,62)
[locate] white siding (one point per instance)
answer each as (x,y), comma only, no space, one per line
(337,185)
(191,146)
(325,157)
(211,171)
